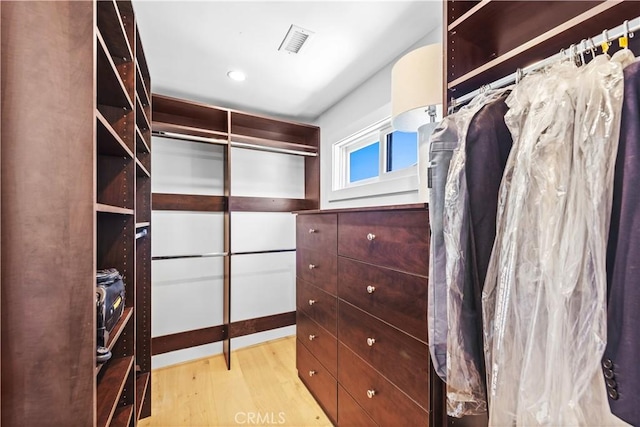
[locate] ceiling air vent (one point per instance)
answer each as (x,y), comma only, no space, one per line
(294,40)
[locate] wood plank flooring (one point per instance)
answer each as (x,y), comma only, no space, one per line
(262,388)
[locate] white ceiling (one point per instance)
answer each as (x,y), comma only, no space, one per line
(191,45)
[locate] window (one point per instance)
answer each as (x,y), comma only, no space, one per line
(375,155)
(402,150)
(363,162)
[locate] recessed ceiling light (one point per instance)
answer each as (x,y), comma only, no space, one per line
(236,75)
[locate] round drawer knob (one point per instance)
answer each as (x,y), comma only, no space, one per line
(312,337)
(371,393)
(371,236)
(312,266)
(371,289)
(312,230)
(312,301)
(371,342)
(312,373)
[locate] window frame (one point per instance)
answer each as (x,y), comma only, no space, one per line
(399,181)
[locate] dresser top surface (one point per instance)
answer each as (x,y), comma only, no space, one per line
(413,206)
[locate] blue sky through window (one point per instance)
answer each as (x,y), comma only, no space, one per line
(402,148)
(363,163)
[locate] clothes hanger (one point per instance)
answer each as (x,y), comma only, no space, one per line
(605,42)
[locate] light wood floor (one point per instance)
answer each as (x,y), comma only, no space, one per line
(262,388)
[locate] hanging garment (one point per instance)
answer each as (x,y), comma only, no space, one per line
(466,386)
(543,301)
(443,141)
(621,367)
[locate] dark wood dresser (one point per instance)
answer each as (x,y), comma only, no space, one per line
(361,315)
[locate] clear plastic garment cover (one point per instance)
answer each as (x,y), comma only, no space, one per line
(465,381)
(544,306)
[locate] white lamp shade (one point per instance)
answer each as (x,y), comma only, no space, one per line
(416,84)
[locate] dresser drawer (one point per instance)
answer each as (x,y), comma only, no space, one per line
(319,305)
(317,231)
(318,380)
(319,342)
(397,298)
(350,414)
(399,357)
(318,268)
(395,239)
(383,401)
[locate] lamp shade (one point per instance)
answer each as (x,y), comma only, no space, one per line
(416,84)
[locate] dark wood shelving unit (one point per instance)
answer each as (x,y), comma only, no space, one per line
(493,38)
(215,125)
(123,187)
(68,116)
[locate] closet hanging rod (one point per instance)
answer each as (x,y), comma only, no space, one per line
(142,233)
(209,255)
(583,46)
(271,251)
(272,149)
(185,137)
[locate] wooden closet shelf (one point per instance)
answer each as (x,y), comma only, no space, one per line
(111,89)
(122,416)
(141,87)
(141,144)
(142,224)
(108,141)
(110,209)
(116,332)
(142,59)
(112,29)
(142,383)
(268,204)
(141,170)
(252,140)
(188,202)
(110,388)
(562,35)
(188,130)
(141,114)
(471,13)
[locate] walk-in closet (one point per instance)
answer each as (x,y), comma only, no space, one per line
(319,213)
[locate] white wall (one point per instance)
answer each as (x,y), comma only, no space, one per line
(369,103)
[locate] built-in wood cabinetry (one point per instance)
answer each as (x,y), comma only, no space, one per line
(182,122)
(487,40)
(75,198)
(362,302)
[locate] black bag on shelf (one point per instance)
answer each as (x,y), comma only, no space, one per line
(110,296)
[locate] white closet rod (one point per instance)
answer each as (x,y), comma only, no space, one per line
(583,46)
(272,149)
(193,138)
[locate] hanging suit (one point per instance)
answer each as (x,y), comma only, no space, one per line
(621,361)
